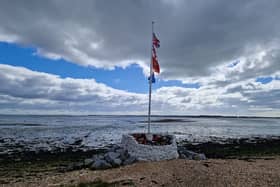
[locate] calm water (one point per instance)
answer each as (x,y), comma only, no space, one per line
(47,132)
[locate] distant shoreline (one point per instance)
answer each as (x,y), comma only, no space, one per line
(122,115)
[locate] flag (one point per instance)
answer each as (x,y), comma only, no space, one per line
(156,41)
(153,78)
(155,63)
(154,60)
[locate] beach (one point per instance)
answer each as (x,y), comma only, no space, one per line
(51,151)
(179,172)
(259,165)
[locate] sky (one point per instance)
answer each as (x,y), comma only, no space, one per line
(92,57)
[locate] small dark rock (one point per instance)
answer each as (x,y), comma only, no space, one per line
(116,162)
(130,160)
(120,150)
(75,166)
(199,157)
(114,148)
(101,164)
(111,156)
(88,161)
(124,155)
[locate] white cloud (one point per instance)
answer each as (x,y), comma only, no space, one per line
(24,88)
(26,91)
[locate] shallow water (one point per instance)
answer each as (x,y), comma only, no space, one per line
(50,132)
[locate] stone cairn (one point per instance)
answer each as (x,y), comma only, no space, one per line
(138,147)
(150,147)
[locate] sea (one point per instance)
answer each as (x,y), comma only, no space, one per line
(50,132)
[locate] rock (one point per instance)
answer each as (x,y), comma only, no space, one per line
(130,160)
(187,154)
(114,148)
(70,167)
(183,156)
(199,157)
(100,164)
(78,165)
(75,166)
(117,162)
(120,150)
(98,157)
(152,152)
(88,161)
(111,156)
(124,155)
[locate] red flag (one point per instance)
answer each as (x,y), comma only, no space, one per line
(155,61)
(156,65)
(156,41)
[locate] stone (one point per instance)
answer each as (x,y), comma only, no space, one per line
(114,148)
(111,156)
(117,162)
(88,161)
(132,143)
(124,155)
(120,150)
(182,156)
(187,154)
(75,166)
(130,160)
(98,157)
(100,164)
(79,165)
(199,157)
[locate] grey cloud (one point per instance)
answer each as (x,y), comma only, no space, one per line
(195,35)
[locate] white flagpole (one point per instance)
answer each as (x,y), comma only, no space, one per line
(150,83)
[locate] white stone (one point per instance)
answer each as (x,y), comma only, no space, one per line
(150,152)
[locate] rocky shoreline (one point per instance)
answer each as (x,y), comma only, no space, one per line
(235,148)
(21,166)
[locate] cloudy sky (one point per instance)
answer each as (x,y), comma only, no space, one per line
(92,57)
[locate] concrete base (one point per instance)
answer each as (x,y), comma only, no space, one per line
(150,152)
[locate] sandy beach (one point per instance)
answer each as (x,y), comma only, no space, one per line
(212,172)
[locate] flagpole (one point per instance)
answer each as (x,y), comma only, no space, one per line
(150,84)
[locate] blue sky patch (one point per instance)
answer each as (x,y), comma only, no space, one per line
(264,80)
(130,79)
